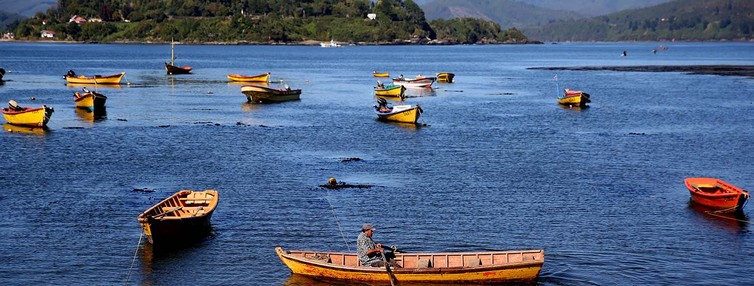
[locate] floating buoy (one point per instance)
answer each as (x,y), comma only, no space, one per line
(332,181)
(33,98)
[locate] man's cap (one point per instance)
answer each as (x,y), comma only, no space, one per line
(367,226)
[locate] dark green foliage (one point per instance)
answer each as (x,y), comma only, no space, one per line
(683,20)
(471,30)
(241,21)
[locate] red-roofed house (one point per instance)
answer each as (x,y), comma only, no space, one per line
(77,19)
(48,34)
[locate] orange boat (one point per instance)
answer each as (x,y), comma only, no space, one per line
(716,194)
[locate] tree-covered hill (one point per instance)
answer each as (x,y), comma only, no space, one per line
(682,20)
(507,13)
(593,7)
(253,21)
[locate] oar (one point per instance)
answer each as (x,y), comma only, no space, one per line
(159,216)
(387,267)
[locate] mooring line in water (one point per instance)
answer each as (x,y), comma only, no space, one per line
(128,277)
(717,214)
(337,221)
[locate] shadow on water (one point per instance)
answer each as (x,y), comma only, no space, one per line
(152,255)
(574,108)
(736,221)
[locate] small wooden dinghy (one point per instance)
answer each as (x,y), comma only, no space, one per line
(434,268)
(574,98)
(445,77)
(390,91)
(72,77)
(249,78)
(380,74)
(263,94)
(27,116)
(716,194)
(89,100)
(184,216)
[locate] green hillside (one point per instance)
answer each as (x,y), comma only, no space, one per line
(508,13)
(683,20)
(593,7)
(252,21)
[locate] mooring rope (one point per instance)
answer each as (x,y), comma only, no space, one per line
(128,277)
(337,221)
(718,212)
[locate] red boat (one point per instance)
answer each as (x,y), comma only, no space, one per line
(716,194)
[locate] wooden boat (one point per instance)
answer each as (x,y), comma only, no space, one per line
(249,78)
(390,91)
(71,77)
(380,74)
(26,116)
(432,268)
(418,82)
(445,77)
(183,216)
(574,98)
(263,94)
(89,100)
(400,113)
(171,68)
(331,44)
(716,194)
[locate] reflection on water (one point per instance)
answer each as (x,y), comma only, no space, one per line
(404,125)
(301,280)
(419,92)
(91,116)
(95,86)
(25,129)
(736,221)
(576,108)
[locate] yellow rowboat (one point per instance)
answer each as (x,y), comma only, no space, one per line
(91,101)
(390,91)
(97,79)
(432,268)
(400,113)
(574,98)
(26,116)
(380,74)
(249,78)
(445,77)
(263,94)
(182,217)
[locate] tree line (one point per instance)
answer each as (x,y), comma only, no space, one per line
(258,21)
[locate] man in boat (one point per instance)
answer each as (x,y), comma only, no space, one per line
(380,84)
(12,105)
(382,106)
(371,253)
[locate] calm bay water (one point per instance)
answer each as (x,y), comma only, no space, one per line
(499,166)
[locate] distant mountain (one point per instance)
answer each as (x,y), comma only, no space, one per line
(26,8)
(683,20)
(8,18)
(507,13)
(593,7)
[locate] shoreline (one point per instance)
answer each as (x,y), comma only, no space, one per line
(721,70)
(249,43)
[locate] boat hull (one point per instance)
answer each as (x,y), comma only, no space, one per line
(381,74)
(110,79)
(183,217)
(716,194)
(401,113)
(32,117)
(91,101)
(262,94)
(390,91)
(249,78)
(445,77)
(420,82)
(491,267)
(171,69)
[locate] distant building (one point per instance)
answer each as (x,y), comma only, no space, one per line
(372,16)
(94,20)
(77,19)
(9,36)
(48,34)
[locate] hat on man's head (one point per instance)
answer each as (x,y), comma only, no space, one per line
(367,226)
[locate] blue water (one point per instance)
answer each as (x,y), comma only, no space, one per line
(499,165)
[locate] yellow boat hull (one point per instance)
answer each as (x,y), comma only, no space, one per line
(445,77)
(575,101)
(247,78)
(34,117)
(394,91)
(399,114)
(111,79)
(86,101)
(381,74)
(329,267)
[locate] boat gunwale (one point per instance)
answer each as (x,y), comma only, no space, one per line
(416,270)
(729,190)
(145,217)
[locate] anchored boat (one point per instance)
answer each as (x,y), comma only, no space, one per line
(27,116)
(72,77)
(574,98)
(184,216)
(263,94)
(249,78)
(716,194)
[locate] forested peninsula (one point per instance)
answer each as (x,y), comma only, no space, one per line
(256,22)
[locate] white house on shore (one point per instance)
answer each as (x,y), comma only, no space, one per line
(48,34)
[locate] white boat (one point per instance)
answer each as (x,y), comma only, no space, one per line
(419,81)
(331,44)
